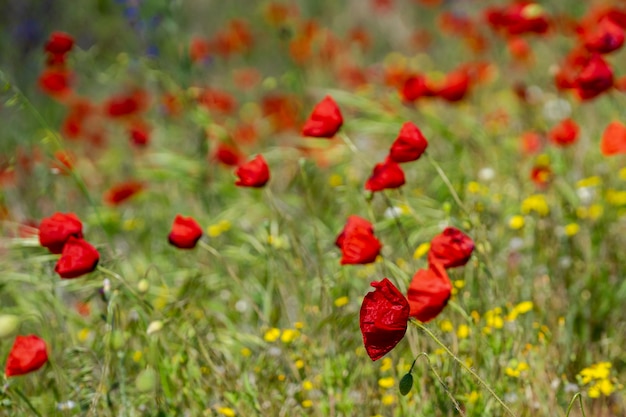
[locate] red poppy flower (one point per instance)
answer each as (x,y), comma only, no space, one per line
(517,18)
(604,37)
(541,175)
(595,78)
(429,292)
(254,173)
(217,101)
(415,87)
(383,318)
(409,145)
(387,174)
(531,142)
(613,139)
(55,82)
(78,258)
(123,105)
(59,43)
(450,248)
(227,154)
(185,232)
(28,354)
(455,85)
(120,193)
(564,133)
(139,133)
(55,230)
(325,120)
(357,242)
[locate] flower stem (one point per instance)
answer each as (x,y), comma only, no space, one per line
(448,184)
(27,401)
(464,366)
(578,397)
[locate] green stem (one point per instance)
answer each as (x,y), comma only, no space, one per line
(464,366)
(448,184)
(27,401)
(571,404)
(440,380)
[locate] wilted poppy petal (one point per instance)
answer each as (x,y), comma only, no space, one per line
(383,318)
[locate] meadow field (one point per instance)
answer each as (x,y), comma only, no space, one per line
(313,208)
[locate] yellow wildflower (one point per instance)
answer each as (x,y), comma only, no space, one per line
(341,301)
(421,250)
(516,222)
(387,382)
(536,203)
(272,335)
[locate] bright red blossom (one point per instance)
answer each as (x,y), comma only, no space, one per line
(28,354)
(613,139)
(429,292)
(383,318)
(595,78)
(55,230)
(254,173)
(450,248)
(185,232)
(409,145)
(59,43)
(357,242)
(78,258)
(119,193)
(564,133)
(386,175)
(324,121)
(604,37)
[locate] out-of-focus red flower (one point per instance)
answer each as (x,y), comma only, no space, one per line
(564,133)
(531,142)
(63,162)
(128,104)
(613,139)
(519,49)
(121,192)
(227,154)
(381,6)
(78,258)
(595,78)
(429,292)
(254,173)
(541,175)
(455,86)
(409,145)
(383,318)
(80,111)
(282,111)
(517,18)
(59,43)
(28,354)
(603,37)
(244,133)
(325,120)
(357,242)
(55,230)
(387,174)
(55,82)
(199,49)
(217,101)
(185,232)
(415,87)
(359,36)
(450,248)
(246,78)
(139,132)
